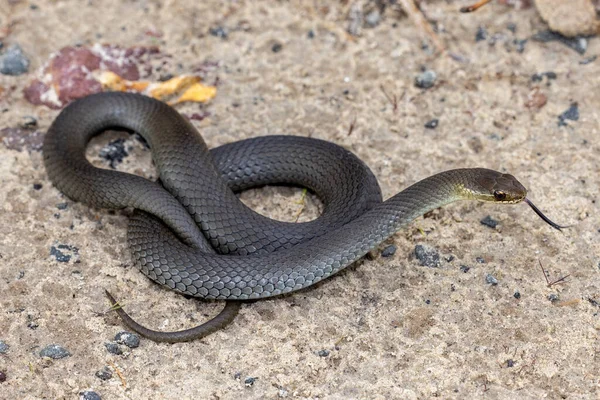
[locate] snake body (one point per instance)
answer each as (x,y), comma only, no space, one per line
(193,235)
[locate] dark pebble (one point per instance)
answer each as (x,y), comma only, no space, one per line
(432,124)
(129,339)
(464,268)
(539,77)
(450,258)
(310,34)
(572,113)
(490,279)
(114,152)
(54,351)
(276,48)
(579,44)
(219,32)
(481,34)
(323,353)
(426,79)
(29,122)
(489,221)
(61,252)
(517,295)
(3,347)
(89,395)
(510,363)
(373,18)
(520,44)
(389,251)
(62,206)
(13,61)
(37,186)
(2,377)
(113,348)
(512,27)
(588,60)
(427,256)
(553,297)
(249,381)
(237,376)
(480,260)
(165,77)
(104,374)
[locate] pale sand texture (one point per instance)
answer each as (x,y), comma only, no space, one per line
(394,329)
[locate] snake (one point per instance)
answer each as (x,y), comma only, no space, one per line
(191,233)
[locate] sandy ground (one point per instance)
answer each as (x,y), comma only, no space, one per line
(390,327)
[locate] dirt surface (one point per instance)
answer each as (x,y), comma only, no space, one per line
(385,328)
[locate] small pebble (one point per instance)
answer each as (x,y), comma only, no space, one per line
(323,353)
(517,295)
(2,377)
(237,376)
(104,374)
(310,34)
(37,186)
(511,26)
(480,260)
(481,34)
(113,348)
(54,351)
(450,258)
(62,206)
(510,363)
(13,61)
(489,221)
(373,18)
(29,122)
(426,79)
(389,251)
(520,44)
(539,77)
(129,339)
(218,31)
(114,152)
(588,60)
(249,381)
(572,113)
(89,395)
(427,256)
(579,43)
(3,347)
(553,297)
(490,279)
(61,252)
(432,124)
(276,48)
(464,268)
(282,393)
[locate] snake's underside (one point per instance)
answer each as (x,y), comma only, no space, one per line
(193,235)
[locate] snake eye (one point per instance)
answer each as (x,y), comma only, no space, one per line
(499,195)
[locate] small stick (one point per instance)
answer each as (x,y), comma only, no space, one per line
(417,16)
(302,204)
(559,280)
(352,125)
(393,100)
(474,7)
(118,373)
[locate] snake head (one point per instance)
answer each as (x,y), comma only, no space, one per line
(493,186)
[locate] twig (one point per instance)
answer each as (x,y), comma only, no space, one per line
(474,7)
(118,373)
(302,202)
(417,16)
(393,100)
(548,282)
(352,126)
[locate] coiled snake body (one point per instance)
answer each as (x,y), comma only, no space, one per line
(194,236)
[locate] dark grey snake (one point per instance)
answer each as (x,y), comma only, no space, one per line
(191,233)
